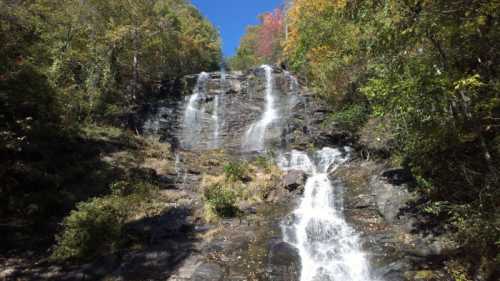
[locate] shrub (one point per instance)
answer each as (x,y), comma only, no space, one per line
(220,200)
(95,227)
(351,117)
(140,189)
(235,171)
(264,163)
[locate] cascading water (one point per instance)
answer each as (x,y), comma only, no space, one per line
(216,122)
(255,136)
(328,247)
(293,82)
(223,80)
(191,125)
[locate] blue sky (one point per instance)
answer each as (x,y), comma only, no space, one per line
(231,17)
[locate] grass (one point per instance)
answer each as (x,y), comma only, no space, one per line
(239,184)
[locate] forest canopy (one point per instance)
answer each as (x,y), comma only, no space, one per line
(65,64)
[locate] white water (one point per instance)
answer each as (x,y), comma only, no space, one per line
(294,85)
(216,123)
(217,114)
(223,80)
(177,165)
(255,136)
(193,114)
(154,124)
(328,247)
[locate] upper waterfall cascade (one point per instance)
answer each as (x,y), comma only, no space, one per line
(194,112)
(254,139)
(240,112)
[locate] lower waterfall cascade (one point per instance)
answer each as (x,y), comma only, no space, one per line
(328,246)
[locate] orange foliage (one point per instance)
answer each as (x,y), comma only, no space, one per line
(301,10)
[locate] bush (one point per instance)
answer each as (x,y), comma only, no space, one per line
(95,227)
(351,117)
(264,163)
(137,188)
(220,200)
(235,171)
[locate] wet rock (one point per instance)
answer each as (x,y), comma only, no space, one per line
(486,270)
(208,272)
(389,198)
(7,272)
(398,176)
(431,246)
(294,180)
(170,224)
(100,267)
(362,201)
(284,263)
(194,172)
(425,275)
(247,208)
(394,271)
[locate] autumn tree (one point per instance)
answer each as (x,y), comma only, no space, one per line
(427,69)
(66,64)
(261,43)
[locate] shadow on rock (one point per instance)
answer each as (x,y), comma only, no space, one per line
(166,240)
(156,246)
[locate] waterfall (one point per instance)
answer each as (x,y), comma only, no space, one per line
(156,122)
(223,80)
(216,123)
(193,114)
(293,83)
(177,165)
(255,136)
(329,248)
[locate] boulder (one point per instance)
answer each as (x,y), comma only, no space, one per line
(398,176)
(294,180)
(390,198)
(431,246)
(284,263)
(208,272)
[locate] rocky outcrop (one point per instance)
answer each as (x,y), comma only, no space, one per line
(390,198)
(238,100)
(284,263)
(208,272)
(379,204)
(294,180)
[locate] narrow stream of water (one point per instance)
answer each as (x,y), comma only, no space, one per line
(193,114)
(254,139)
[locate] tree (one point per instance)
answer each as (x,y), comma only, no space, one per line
(429,68)
(261,43)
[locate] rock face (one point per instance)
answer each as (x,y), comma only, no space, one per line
(389,198)
(208,272)
(294,180)
(228,104)
(284,263)
(378,204)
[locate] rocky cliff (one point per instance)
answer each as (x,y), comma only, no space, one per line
(227,106)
